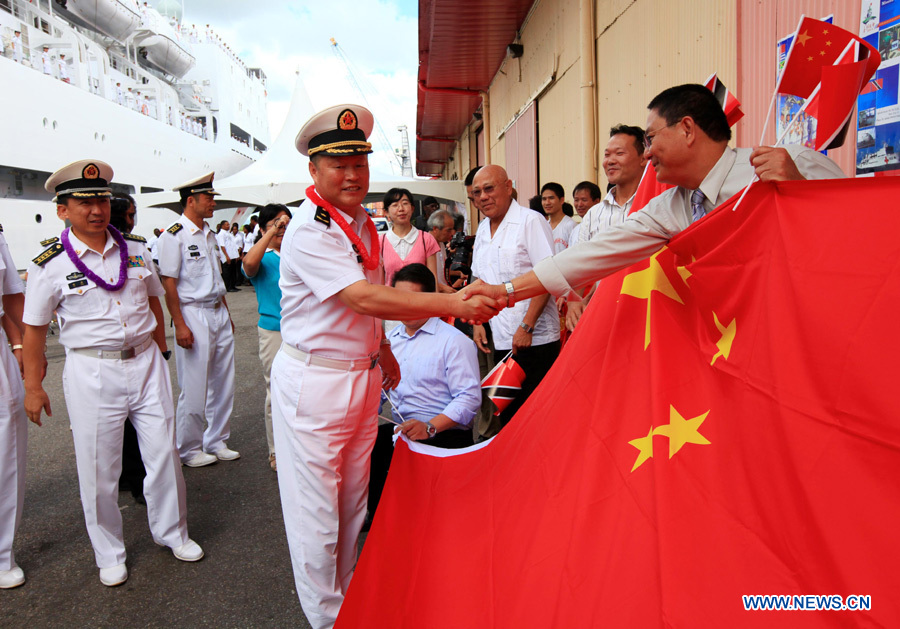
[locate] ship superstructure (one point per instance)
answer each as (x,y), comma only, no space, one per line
(123,82)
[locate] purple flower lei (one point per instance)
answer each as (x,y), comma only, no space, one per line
(123,259)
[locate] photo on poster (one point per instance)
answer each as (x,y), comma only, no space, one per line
(865,138)
(866,118)
(869,20)
(881,156)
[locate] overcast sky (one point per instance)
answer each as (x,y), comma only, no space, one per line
(380,37)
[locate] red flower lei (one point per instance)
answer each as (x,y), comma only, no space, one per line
(370,260)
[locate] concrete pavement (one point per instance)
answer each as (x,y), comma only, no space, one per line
(234,513)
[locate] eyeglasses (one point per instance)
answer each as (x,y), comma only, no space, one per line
(648,139)
(488,190)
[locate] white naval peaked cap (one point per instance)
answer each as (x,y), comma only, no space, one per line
(84,179)
(199,185)
(337,131)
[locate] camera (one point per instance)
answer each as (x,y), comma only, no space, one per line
(459,262)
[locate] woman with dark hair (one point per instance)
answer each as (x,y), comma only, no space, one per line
(404,244)
(261,266)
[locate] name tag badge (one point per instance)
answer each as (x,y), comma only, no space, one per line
(78,283)
(195,254)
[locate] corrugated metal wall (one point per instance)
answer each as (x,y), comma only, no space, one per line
(645,46)
(550,41)
(560,133)
(760,24)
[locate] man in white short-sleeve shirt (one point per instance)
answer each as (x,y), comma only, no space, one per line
(325,385)
(105,292)
(204,334)
(509,242)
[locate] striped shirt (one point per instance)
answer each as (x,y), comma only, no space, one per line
(603,216)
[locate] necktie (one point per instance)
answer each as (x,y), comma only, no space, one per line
(697,209)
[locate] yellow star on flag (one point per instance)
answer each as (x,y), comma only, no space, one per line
(724,343)
(684,272)
(802,37)
(645,446)
(641,284)
(681,431)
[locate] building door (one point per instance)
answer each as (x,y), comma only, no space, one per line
(521,154)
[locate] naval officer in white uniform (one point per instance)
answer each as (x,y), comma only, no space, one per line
(204,334)
(325,385)
(105,291)
(13,425)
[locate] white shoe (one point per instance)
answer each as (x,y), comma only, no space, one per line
(200,459)
(227,455)
(117,575)
(12,578)
(189,551)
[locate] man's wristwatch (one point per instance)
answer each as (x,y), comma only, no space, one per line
(510,294)
(167,354)
(528,329)
(432,431)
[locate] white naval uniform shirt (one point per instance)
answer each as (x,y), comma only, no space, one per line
(238,240)
(221,236)
(192,257)
(521,241)
(317,262)
(602,216)
(10,282)
(90,316)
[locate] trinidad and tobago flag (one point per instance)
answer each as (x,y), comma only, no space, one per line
(873,86)
(503,383)
(730,104)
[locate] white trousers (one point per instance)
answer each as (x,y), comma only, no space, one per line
(100,394)
(269,343)
(13,444)
(325,424)
(206,380)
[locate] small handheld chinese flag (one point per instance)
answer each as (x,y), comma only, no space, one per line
(503,383)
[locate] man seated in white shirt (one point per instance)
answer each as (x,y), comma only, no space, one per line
(440,391)
(508,243)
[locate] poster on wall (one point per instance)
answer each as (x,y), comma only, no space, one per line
(801,128)
(878,111)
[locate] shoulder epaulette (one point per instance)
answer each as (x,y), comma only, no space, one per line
(1,229)
(322,216)
(174,229)
(48,254)
(135,237)
(49,241)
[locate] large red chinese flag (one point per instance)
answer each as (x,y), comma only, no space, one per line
(724,422)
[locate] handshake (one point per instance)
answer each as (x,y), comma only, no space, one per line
(479,302)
